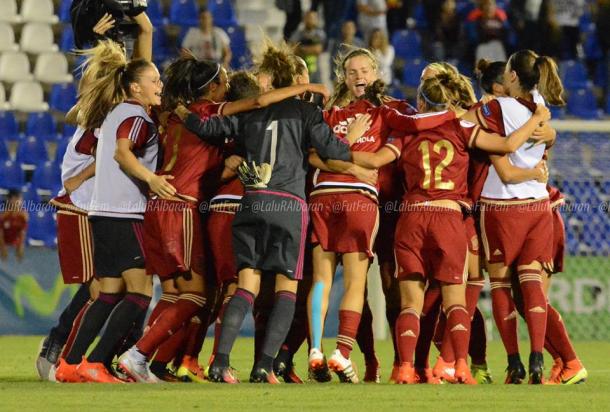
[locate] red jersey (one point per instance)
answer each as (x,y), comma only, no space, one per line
(435,161)
(383,121)
(478,168)
(13,226)
(188,158)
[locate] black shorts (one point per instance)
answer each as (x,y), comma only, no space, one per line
(269,233)
(117,246)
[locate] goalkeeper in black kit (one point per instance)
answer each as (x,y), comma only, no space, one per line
(270,230)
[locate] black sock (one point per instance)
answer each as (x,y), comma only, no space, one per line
(277,327)
(132,337)
(61,331)
(119,324)
(235,312)
(91,324)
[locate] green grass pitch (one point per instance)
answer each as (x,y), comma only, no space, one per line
(20,390)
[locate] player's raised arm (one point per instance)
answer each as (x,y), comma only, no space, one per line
(213,130)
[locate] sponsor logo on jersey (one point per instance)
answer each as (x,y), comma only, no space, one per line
(485,110)
(366,139)
(341,127)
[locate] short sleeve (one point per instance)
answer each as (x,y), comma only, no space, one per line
(469,133)
(87,143)
(395,144)
(490,117)
(136,129)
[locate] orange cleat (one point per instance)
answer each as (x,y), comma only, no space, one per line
(406,374)
(462,373)
(444,370)
(426,376)
(95,372)
(394,374)
(573,372)
(67,373)
(554,378)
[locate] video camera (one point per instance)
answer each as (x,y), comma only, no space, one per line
(86,13)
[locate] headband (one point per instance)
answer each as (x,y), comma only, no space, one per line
(211,78)
(430,102)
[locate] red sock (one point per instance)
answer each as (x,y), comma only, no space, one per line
(550,348)
(478,339)
(165,301)
(364,337)
(447,352)
(458,327)
(558,337)
(74,331)
(407,332)
(170,321)
(534,306)
(168,349)
(428,321)
(194,346)
(391,315)
(504,313)
(218,325)
(349,321)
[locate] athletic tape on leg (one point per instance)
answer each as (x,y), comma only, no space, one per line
(316,313)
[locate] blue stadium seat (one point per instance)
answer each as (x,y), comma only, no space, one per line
(557,112)
(11,175)
(41,125)
(160,50)
(155,13)
(47,178)
(31,152)
(573,74)
(581,103)
(30,194)
(412,72)
(42,228)
(66,43)
(184,13)
(68,131)
(4,154)
(608,103)
(61,150)
(395,91)
(64,11)
(63,97)
(407,44)
(223,13)
(9,129)
(592,48)
(239,47)
(421,22)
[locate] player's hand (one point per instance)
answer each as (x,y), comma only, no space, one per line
(182,112)
(543,113)
(319,89)
(543,171)
(385,99)
(159,184)
(104,24)
(232,162)
(358,127)
(368,176)
(254,176)
(543,134)
(72,183)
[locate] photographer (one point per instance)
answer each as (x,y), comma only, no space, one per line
(123,21)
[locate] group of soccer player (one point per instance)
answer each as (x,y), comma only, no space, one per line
(293,191)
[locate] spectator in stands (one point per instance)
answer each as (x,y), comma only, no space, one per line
(335,12)
(567,15)
(397,14)
(602,23)
(530,18)
(309,43)
(348,40)
(13,225)
(487,29)
(384,52)
(371,16)
(294,14)
(207,41)
(442,40)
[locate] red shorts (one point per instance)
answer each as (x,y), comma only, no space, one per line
(221,245)
(433,244)
(517,233)
(344,223)
(172,238)
(384,243)
(74,246)
(559,242)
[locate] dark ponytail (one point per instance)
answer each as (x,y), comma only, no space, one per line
(489,73)
(374,92)
(538,72)
(187,80)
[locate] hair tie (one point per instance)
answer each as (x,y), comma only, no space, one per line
(430,102)
(211,78)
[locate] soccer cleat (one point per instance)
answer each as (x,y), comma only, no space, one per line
(536,369)
(406,374)
(286,372)
(444,370)
(573,373)
(190,373)
(318,368)
(427,376)
(394,374)
(462,373)
(481,373)
(554,378)
(222,374)
(95,372)
(515,371)
(372,373)
(134,365)
(261,375)
(66,373)
(344,368)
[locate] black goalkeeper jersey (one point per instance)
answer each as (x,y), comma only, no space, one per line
(280,135)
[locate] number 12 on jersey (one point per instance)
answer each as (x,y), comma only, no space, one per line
(424,148)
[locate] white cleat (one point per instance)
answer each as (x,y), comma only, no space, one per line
(134,364)
(343,367)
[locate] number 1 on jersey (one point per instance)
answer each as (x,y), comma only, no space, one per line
(273,149)
(424,148)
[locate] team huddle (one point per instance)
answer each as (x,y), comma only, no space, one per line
(295,189)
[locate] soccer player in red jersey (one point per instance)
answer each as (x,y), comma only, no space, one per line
(13,225)
(431,237)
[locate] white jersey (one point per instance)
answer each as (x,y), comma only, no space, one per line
(514,115)
(115,193)
(78,156)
